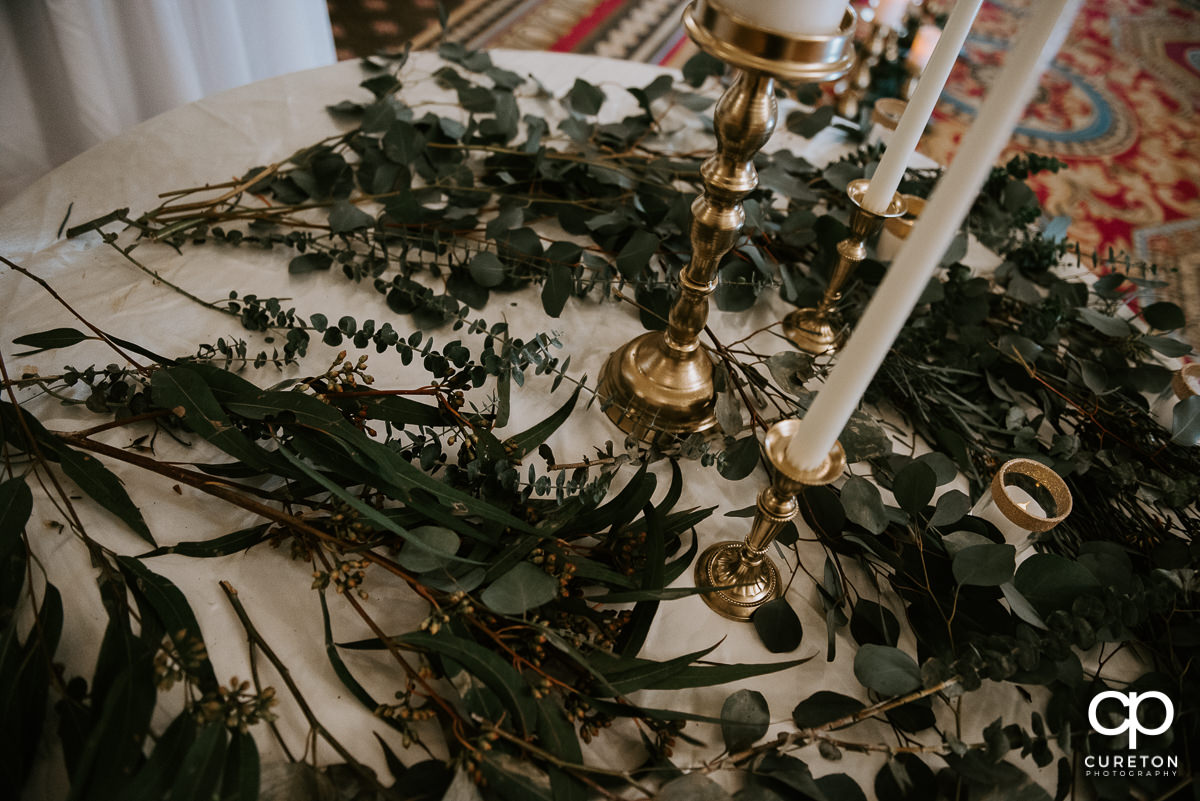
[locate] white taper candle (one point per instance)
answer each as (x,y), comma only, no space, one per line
(1043,34)
(903,142)
(795,17)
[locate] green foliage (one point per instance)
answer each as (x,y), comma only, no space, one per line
(886,670)
(525,563)
(744,719)
(778,626)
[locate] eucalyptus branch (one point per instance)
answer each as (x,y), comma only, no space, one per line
(227,490)
(103,337)
(803,736)
(256,640)
(541,753)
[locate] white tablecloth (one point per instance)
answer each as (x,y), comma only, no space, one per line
(220,138)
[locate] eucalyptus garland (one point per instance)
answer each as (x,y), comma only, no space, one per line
(540,583)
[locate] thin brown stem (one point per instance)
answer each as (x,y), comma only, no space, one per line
(103,337)
(257,641)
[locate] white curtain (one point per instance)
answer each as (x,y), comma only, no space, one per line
(76,72)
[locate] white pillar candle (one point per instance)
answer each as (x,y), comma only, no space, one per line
(904,141)
(788,17)
(892,13)
(924,43)
(1014,535)
(1043,34)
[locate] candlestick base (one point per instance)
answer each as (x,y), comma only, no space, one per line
(748,586)
(746,576)
(812,331)
(818,329)
(655,395)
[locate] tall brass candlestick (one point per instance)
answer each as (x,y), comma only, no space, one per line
(819,329)
(741,568)
(661,383)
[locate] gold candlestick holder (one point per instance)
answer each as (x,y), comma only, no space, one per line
(881,43)
(819,329)
(746,575)
(661,383)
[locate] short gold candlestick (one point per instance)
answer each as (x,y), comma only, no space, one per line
(746,575)
(819,329)
(881,43)
(661,383)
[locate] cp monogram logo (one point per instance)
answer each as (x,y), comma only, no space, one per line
(1132,724)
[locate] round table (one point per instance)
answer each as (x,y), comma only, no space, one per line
(219,138)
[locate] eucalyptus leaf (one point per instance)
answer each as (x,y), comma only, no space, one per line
(944,470)
(808,124)
(824,706)
(487,269)
(1185,422)
(634,256)
(522,588)
(403,143)
(985,565)
(740,458)
(584,97)
(309,262)
(778,626)
(557,288)
(951,506)
(172,608)
(49,340)
(199,775)
(728,411)
(692,787)
(744,719)
(486,666)
(1171,348)
(914,486)
(103,487)
(863,439)
(1050,581)
(440,546)
(864,505)
(871,622)
(1110,326)
(790,369)
(886,670)
(344,217)
(1163,316)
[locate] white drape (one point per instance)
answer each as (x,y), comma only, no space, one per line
(76,72)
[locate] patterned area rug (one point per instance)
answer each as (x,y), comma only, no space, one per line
(1121,104)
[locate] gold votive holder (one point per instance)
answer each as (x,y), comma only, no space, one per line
(887,111)
(1025,497)
(896,229)
(746,576)
(1186,381)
